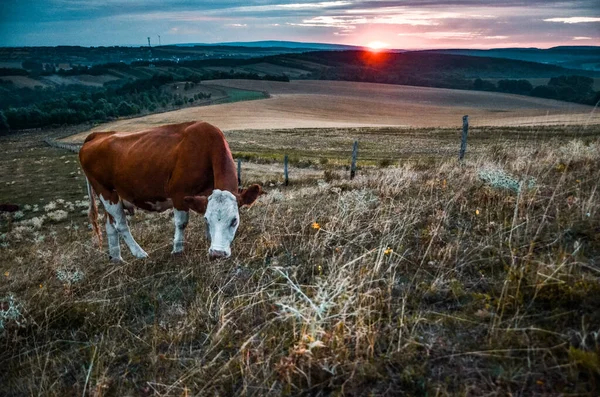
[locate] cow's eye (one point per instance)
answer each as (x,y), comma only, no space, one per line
(233,222)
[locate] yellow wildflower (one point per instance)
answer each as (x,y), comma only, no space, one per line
(388,251)
(316,226)
(477,212)
(6,274)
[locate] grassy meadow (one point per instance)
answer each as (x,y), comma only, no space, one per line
(421,276)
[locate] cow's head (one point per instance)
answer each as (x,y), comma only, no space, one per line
(222,216)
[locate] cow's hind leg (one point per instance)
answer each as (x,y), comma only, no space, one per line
(117,212)
(114,249)
(180,219)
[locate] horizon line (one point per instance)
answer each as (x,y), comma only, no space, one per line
(244,44)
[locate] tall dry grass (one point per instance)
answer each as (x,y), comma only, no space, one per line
(421,279)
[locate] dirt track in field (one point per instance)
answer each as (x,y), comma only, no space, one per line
(329,104)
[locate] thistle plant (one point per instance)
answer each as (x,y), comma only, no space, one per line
(500,179)
(10,311)
(69,276)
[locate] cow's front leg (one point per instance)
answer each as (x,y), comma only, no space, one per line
(180,219)
(120,224)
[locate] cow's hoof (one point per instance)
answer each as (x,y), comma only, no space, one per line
(141,254)
(177,249)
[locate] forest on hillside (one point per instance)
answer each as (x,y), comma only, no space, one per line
(24,107)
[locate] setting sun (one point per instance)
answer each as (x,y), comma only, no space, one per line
(377,45)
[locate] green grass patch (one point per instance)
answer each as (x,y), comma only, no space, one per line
(238,95)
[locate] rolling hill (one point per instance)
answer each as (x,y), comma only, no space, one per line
(336,104)
(573,57)
(281,44)
(424,69)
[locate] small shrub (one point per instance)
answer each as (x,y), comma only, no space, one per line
(384,163)
(69,276)
(57,215)
(50,206)
(499,179)
(331,175)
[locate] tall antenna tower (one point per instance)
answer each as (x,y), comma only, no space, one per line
(149,42)
(158,40)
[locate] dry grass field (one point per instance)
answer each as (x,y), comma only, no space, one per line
(332,104)
(424,277)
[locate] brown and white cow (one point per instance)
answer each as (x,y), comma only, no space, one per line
(181,166)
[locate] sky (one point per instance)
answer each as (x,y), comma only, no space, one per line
(401,24)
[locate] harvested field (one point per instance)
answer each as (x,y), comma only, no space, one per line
(94,81)
(48,81)
(330,104)
(23,81)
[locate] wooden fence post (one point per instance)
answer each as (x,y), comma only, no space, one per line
(285,169)
(353,164)
(239,174)
(463,141)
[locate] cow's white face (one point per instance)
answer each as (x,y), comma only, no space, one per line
(222,220)
(221,212)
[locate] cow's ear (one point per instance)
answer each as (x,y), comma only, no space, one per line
(249,195)
(196,203)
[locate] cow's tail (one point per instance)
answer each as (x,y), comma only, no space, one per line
(93,212)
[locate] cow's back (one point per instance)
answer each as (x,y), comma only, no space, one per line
(204,162)
(156,164)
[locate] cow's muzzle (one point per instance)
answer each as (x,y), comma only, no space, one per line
(216,254)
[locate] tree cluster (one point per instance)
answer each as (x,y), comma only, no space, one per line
(40,107)
(578,89)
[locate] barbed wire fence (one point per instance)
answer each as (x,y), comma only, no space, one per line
(75,147)
(72,147)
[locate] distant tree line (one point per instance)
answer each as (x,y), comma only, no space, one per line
(34,69)
(578,89)
(97,70)
(13,72)
(40,107)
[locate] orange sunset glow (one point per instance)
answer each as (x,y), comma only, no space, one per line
(376,46)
